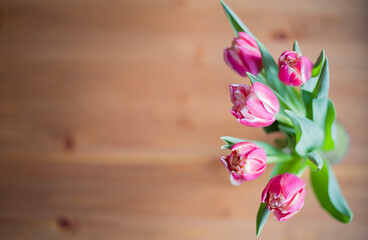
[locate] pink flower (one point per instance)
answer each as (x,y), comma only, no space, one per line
(246,162)
(284,195)
(254,106)
(294,69)
(244,55)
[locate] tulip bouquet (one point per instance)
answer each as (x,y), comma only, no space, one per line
(291,97)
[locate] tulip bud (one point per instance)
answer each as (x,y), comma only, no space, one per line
(244,55)
(254,106)
(294,69)
(246,162)
(284,195)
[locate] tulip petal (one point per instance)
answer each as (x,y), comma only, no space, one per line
(294,69)
(267,96)
(306,68)
(265,191)
(297,202)
(284,74)
(252,176)
(275,188)
(235,179)
(244,55)
(258,154)
(243,148)
(251,58)
(225,161)
(282,216)
(248,39)
(238,94)
(234,61)
(254,165)
(256,108)
(236,114)
(252,121)
(291,185)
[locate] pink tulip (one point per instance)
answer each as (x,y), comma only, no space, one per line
(284,195)
(254,106)
(246,162)
(294,69)
(244,55)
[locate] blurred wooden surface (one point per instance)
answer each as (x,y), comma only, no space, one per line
(111,113)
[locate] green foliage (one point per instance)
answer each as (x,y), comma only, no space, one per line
(342,142)
(308,135)
(274,127)
(316,72)
(236,23)
(262,216)
(308,120)
(316,159)
(296,47)
(328,193)
(330,128)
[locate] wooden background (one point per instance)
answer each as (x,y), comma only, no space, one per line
(111,113)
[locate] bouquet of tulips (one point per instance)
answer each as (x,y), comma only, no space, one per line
(291,97)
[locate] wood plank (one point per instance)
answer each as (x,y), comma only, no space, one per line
(111,113)
(86,200)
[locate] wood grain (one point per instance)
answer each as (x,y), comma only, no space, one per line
(111,113)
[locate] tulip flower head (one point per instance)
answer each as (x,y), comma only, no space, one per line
(244,55)
(254,106)
(246,162)
(284,195)
(294,69)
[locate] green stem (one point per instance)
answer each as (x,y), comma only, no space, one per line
(302,168)
(285,120)
(279,158)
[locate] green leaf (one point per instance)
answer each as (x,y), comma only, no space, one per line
(308,88)
(274,127)
(316,159)
(317,67)
(330,127)
(262,216)
(287,129)
(290,167)
(290,135)
(323,84)
(308,135)
(270,67)
(308,99)
(319,109)
(269,149)
(323,109)
(230,141)
(328,193)
(341,141)
(279,168)
(296,47)
(236,23)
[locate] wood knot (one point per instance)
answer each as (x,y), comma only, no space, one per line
(69,143)
(65,224)
(182,3)
(280,35)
